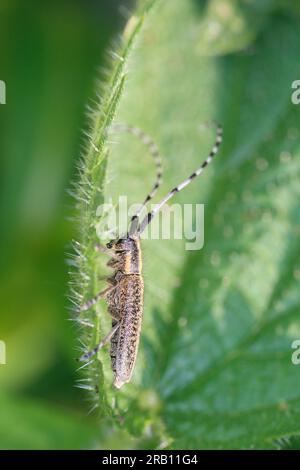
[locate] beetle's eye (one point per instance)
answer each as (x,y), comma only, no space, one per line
(109,245)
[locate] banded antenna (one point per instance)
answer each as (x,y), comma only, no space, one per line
(154,152)
(149,217)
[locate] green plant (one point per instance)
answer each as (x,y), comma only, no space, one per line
(214,369)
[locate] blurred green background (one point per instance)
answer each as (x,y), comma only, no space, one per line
(50,56)
(51,53)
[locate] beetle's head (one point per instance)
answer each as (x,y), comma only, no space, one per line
(122,244)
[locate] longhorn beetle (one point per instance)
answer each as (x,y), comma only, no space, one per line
(125,292)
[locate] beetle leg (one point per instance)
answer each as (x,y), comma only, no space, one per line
(103,342)
(114,262)
(102,295)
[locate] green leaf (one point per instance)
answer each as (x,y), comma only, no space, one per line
(230,25)
(26,424)
(215,368)
(289,443)
(225,379)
